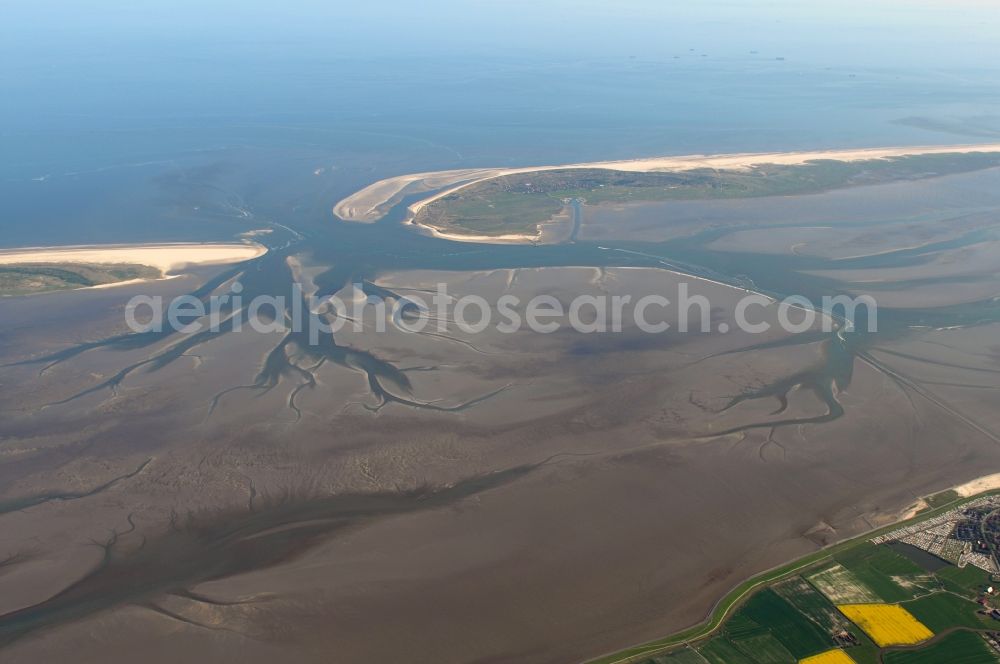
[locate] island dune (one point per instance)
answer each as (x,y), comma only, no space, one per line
(371,203)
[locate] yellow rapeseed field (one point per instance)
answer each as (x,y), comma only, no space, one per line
(829,657)
(887,624)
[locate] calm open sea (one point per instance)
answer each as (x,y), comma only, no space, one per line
(183,123)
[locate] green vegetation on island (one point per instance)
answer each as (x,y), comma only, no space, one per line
(519,203)
(29,278)
(954,648)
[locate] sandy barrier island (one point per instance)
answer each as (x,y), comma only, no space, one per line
(372,203)
(167,258)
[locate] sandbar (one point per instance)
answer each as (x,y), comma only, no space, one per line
(167,258)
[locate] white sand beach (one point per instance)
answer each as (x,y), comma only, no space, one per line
(164,257)
(167,258)
(509,238)
(978,485)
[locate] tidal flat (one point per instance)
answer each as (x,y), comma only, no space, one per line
(253,495)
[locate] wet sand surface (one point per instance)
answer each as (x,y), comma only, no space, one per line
(456,497)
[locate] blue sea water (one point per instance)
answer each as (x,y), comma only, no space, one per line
(180,121)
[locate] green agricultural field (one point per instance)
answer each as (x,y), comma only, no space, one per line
(797,633)
(841,586)
(866,653)
(685,656)
(720,651)
(956,648)
(967,581)
(742,627)
(812,604)
(765,649)
(876,565)
(943,610)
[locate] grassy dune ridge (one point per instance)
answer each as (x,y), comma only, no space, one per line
(29,278)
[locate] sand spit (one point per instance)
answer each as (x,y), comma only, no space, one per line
(166,258)
(368,204)
(509,238)
(371,203)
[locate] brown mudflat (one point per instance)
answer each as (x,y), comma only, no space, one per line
(488,497)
